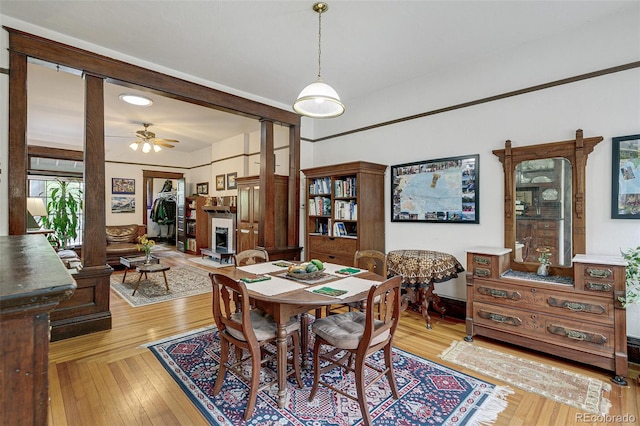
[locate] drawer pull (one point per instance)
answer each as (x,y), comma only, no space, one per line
(599,273)
(482,260)
(501,294)
(482,272)
(577,306)
(500,318)
(582,336)
(597,286)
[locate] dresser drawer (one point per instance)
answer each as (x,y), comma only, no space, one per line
(324,257)
(335,246)
(590,337)
(568,304)
(600,279)
(486,265)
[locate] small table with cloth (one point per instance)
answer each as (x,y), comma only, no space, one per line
(420,269)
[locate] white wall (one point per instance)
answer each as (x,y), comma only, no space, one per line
(606,106)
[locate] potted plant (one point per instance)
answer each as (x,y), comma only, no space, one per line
(632,279)
(65,202)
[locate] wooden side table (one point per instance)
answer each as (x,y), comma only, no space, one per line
(154,267)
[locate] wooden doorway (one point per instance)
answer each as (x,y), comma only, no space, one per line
(148,189)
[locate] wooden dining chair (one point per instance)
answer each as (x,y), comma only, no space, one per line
(248,330)
(251,256)
(372,260)
(352,337)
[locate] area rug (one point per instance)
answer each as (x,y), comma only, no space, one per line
(183,281)
(430,394)
(554,383)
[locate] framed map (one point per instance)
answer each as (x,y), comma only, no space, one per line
(625,182)
(442,191)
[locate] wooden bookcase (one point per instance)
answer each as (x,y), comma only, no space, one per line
(196,225)
(352,196)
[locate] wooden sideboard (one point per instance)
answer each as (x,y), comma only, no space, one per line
(33,281)
(576,317)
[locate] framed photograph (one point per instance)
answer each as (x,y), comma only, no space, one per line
(123,186)
(202,188)
(123,204)
(625,182)
(231,180)
(220,183)
(441,191)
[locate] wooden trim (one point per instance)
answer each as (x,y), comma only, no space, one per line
(128,75)
(543,86)
(57,153)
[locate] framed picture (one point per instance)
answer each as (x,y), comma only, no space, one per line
(202,188)
(220,183)
(123,186)
(123,204)
(231,180)
(625,182)
(442,191)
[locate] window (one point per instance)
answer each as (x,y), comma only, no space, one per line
(41,187)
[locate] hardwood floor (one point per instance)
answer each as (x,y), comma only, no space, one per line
(107,378)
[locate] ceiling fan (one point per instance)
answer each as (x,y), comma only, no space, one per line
(148,140)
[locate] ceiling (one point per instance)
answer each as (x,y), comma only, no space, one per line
(267,51)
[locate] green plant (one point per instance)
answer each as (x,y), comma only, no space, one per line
(65,202)
(632,256)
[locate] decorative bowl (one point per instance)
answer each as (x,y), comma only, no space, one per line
(306,275)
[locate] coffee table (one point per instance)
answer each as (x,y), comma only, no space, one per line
(149,268)
(133,262)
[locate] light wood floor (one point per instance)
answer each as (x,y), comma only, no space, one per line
(106,378)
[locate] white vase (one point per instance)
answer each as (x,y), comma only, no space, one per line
(543,270)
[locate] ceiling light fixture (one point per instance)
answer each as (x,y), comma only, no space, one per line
(135,100)
(319,100)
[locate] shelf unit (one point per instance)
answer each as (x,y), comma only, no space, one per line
(196,225)
(345,210)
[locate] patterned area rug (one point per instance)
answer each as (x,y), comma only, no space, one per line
(183,281)
(430,394)
(559,385)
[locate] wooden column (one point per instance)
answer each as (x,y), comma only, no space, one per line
(293,226)
(266,222)
(94,250)
(17,167)
(88,310)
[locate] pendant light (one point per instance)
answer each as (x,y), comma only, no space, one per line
(319,100)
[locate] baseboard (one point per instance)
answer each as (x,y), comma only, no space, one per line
(457,309)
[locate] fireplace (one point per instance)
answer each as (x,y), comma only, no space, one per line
(223,227)
(222,238)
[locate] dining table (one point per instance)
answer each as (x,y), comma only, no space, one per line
(283,296)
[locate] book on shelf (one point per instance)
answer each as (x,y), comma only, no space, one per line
(345,210)
(345,187)
(320,186)
(339,230)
